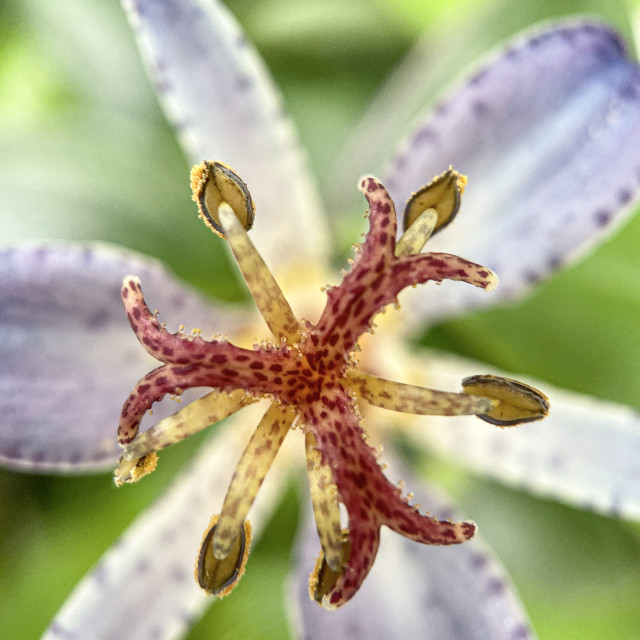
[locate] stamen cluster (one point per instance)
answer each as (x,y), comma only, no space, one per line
(309,374)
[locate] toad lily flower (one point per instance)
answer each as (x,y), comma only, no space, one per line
(310,374)
(548,133)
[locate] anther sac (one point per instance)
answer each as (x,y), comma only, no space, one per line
(312,380)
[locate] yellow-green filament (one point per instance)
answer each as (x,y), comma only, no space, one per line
(265,290)
(250,472)
(323,578)
(324,498)
(193,418)
(408,398)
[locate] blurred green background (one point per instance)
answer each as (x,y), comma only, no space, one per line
(85,153)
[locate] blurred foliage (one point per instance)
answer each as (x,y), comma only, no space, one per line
(85,154)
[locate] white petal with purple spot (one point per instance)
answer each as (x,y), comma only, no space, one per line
(415,590)
(68,357)
(225,107)
(584,453)
(548,133)
(143,588)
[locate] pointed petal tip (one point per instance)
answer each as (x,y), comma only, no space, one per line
(130,281)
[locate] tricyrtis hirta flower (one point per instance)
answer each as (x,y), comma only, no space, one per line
(548,132)
(312,375)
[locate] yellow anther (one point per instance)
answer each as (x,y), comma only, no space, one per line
(443,195)
(213,183)
(323,579)
(517,402)
(129,471)
(219,577)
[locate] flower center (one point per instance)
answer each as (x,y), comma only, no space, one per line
(312,378)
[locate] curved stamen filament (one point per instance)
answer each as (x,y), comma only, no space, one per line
(250,472)
(195,417)
(408,398)
(326,510)
(265,290)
